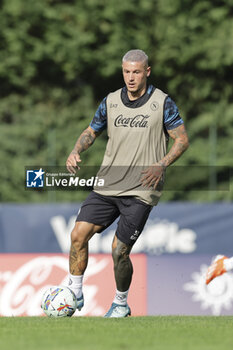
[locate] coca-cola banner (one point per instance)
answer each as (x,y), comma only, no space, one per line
(172,228)
(165,285)
(24,278)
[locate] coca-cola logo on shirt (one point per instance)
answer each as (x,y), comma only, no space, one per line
(139,121)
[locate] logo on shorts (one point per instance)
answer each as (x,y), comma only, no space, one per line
(135,236)
(35,178)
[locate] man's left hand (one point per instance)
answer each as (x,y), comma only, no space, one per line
(152,175)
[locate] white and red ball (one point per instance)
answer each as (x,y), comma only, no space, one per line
(59,301)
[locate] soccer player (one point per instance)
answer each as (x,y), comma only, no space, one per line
(218,267)
(139,119)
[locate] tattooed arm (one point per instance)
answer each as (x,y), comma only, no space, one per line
(154,173)
(179,146)
(85,140)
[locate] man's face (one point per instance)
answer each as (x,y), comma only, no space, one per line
(135,75)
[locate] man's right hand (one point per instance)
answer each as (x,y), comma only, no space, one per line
(72,162)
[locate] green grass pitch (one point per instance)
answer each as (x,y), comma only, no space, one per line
(136,333)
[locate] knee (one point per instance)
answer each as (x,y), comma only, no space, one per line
(79,235)
(75,235)
(120,253)
(82,233)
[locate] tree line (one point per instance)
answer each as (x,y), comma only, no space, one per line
(60,58)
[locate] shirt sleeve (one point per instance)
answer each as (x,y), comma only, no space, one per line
(99,122)
(171,116)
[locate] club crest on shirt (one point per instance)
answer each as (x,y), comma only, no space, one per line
(154,106)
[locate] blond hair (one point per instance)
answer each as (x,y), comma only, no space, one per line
(135,56)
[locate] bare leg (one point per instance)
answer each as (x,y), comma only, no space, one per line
(123,268)
(81,234)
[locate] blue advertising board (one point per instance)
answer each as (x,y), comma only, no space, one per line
(172,228)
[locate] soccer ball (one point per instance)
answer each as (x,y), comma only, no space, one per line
(59,301)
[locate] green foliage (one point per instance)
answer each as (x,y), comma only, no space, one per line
(59,58)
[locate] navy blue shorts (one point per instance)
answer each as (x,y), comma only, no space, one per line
(103,210)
